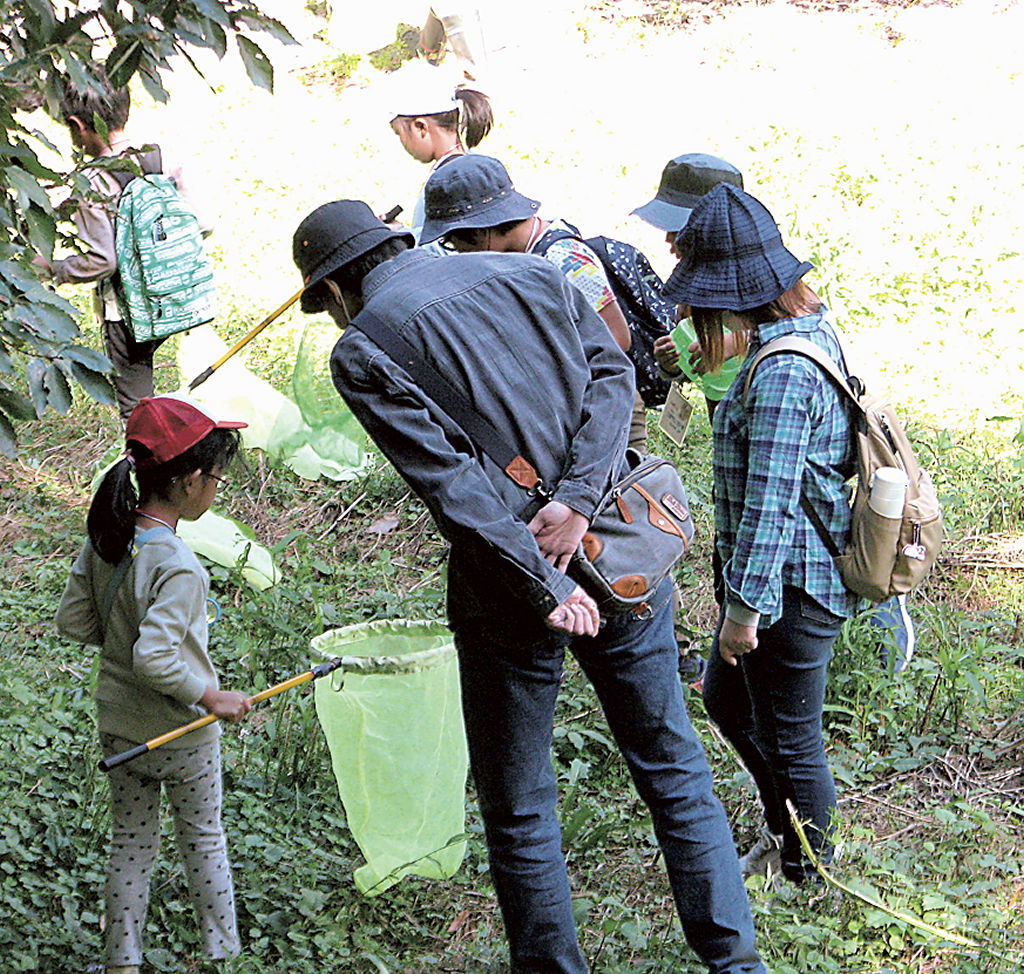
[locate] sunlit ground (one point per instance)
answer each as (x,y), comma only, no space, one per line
(888,145)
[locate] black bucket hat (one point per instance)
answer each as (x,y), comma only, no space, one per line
(733,255)
(332,236)
(684,181)
(472,191)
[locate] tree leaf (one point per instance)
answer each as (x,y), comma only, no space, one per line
(35,372)
(88,357)
(50,323)
(270,25)
(155,90)
(58,392)
(95,384)
(214,11)
(27,187)
(42,231)
(8,441)
(40,15)
(80,74)
(16,404)
(71,25)
(257,64)
(123,61)
(216,36)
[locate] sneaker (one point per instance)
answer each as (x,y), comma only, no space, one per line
(765,858)
(692,667)
(895,630)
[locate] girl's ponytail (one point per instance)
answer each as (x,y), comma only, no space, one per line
(475,117)
(111,520)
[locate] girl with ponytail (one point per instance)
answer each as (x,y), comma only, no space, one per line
(138,593)
(436,121)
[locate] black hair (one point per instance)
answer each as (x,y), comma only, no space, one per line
(110,103)
(111,520)
(472,122)
(472,234)
(349,277)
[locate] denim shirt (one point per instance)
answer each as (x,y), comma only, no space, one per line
(524,348)
(793,435)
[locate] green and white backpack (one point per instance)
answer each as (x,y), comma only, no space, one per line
(164,279)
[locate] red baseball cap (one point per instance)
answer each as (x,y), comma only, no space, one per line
(170,424)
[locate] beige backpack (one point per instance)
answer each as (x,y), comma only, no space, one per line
(885,556)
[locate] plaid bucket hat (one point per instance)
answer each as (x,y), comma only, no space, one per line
(684,181)
(733,255)
(471,191)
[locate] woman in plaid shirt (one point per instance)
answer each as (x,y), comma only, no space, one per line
(784,601)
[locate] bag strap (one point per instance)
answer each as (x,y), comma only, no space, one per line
(552,235)
(113,584)
(115,581)
(819,525)
(801,346)
(149,162)
(479,429)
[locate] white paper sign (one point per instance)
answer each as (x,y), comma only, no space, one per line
(675,417)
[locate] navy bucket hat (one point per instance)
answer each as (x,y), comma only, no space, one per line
(684,182)
(471,191)
(733,255)
(332,236)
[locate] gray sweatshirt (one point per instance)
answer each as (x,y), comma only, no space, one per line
(154,665)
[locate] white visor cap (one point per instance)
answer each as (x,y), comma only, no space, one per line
(419,88)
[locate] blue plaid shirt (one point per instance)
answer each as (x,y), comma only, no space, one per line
(793,433)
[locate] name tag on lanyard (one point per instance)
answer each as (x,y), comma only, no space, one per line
(675,417)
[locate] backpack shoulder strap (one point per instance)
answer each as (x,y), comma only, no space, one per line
(552,236)
(801,346)
(149,162)
(113,584)
(115,580)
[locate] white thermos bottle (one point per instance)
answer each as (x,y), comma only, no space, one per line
(888,491)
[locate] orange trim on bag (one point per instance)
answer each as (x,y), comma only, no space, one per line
(658,516)
(630,586)
(591,546)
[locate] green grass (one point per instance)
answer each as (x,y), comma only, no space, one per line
(906,205)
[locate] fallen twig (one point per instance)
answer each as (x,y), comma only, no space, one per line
(949,935)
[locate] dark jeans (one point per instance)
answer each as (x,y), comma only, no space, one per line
(769,707)
(509,687)
(133,365)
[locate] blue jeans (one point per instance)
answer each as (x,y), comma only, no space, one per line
(509,687)
(769,707)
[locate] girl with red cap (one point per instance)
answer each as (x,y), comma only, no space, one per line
(139,593)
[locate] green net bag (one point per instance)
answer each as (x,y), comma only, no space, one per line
(392,716)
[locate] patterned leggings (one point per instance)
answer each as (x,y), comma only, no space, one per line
(192,780)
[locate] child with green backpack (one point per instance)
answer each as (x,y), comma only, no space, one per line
(170,285)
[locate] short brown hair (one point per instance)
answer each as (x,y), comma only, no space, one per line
(111,104)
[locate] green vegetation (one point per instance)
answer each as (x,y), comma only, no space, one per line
(40,355)
(928,763)
(392,56)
